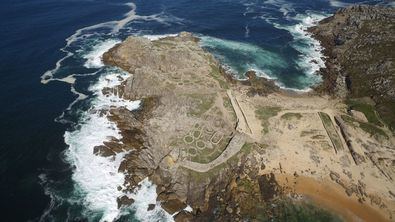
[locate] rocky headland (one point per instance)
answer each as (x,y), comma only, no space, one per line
(359,43)
(243,150)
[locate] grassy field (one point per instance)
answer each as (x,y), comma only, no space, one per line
(264,113)
(290,116)
(366,109)
(203,103)
(330,129)
(370,128)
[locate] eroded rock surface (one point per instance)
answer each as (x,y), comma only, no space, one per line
(359,43)
(185,115)
(219,145)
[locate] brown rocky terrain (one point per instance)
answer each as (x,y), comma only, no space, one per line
(242,150)
(359,43)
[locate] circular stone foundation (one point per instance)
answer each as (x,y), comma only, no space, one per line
(192,151)
(200,144)
(188,139)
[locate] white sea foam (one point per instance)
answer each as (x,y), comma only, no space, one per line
(188,209)
(112,27)
(282,86)
(284,7)
(311,59)
(308,61)
(105,101)
(253,54)
(94,57)
(157,37)
(338,4)
(261,73)
(97,177)
(247,31)
(144,195)
(48,75)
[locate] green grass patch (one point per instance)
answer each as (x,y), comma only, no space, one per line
(264,113)
(348,119)
(326,119)
(216,73)
(370,128)
(207,155)
(373,130)
(330,129)
(290,116)
(163,43)
(246,148)
(308,132)
(366,109)
(318,137)
(203,102)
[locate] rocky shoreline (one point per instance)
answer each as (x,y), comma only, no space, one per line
(359,60)
(222,146)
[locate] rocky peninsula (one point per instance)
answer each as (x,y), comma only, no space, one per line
(243,150)
(360,64)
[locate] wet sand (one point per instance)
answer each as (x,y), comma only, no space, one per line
(331,196)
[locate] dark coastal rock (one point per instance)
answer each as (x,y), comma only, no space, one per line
(260,85)
(151,207)
(103,151)
(124,201)
(358,43)
(268,186)
(171,202)
(183,216)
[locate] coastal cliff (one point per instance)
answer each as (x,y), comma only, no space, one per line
(220,149)
(359,44)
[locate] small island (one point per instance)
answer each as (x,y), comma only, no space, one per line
(222,149)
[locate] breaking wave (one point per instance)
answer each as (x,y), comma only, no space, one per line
(96,180)
(94,58)
(241,57)
(311,58)
(338,4)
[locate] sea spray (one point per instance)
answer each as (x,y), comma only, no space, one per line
(144,195)
(311,58)
(241,57)
(101,30)
(96,177)
(94,58)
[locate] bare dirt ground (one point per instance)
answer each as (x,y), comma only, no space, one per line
(299,144)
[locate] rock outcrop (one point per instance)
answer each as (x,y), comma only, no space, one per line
(359,43)
(186,117)
(216,144)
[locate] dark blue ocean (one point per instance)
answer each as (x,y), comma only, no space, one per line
(51,74)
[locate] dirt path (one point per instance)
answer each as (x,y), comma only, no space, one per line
(242,124)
